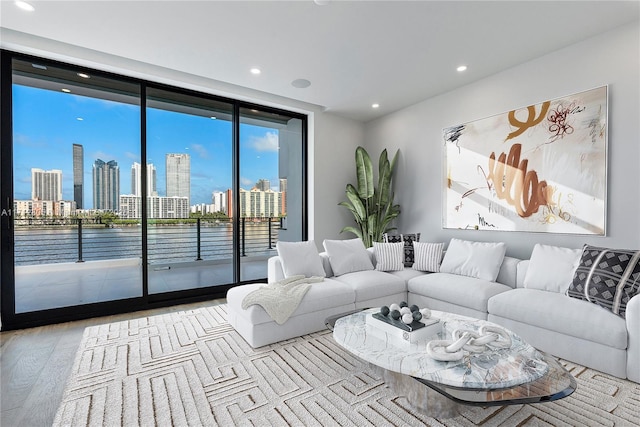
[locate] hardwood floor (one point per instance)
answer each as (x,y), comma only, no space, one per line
(35,364)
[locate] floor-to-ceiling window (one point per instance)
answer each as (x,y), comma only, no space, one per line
(270,185)
(120,194)
(189,179)
(74,134)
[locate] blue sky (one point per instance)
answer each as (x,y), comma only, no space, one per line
(46,124)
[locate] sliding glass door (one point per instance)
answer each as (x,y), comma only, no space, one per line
(120,194)
(73,132)
(270,186)
(189,175)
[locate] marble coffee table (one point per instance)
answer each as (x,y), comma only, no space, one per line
(515,375)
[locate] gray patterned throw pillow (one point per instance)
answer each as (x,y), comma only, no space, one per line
(607,277)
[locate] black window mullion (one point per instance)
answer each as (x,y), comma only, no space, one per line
(7,272)
(235,192)
(143,190)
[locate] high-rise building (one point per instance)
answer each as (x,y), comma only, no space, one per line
(78,175)
(263,185)
(178,170)
(260,204)
(46,185)
(43,208)
(157,207)
(136,180)
(219,201)
(106,185)
(283,193)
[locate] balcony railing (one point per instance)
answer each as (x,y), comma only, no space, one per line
(47,241)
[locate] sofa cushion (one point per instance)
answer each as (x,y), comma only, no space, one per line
(407,274)
(557,312)
(389,256)
(300,258)
(551,268)
(347,256)
(607,277)
(461,290)
(508,274)
(321,296)
(427,256)
(475,259)
(373,284)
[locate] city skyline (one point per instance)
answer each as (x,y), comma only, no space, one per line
(109,172)
(110,131)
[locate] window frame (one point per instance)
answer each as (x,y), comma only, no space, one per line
(11,319)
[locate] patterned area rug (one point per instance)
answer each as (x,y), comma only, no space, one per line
(191,368)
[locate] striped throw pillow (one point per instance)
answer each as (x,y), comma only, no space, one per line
(428,256)
(389,256)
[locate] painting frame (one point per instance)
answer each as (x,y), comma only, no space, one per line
(539,168)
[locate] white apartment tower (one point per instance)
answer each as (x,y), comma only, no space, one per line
(136,180)
(219,201)
(178,170)
(46,185)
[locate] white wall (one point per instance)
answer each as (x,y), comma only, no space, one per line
(611,59)
(335,142)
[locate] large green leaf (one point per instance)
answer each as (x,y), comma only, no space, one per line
(350,229)
(384,184)
(364,172)
(356,202)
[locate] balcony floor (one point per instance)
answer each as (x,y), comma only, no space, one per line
(42,287)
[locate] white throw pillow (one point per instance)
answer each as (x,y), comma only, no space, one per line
(389,256)
(347,256)
(427,256)
(300,258)
(551,268)
(474,259)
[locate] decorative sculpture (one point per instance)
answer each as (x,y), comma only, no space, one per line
(490,337)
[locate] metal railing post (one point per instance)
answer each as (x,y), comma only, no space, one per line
(80,240)
(198,234)
(270,244)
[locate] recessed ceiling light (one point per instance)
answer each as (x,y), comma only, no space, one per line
(84,75)
(301,83)
(461,68)
(65,90)
(375,105)
(255,71)
(25,6)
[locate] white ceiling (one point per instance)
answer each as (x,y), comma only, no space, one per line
(355,53)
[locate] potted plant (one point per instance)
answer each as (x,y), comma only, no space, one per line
(372,207)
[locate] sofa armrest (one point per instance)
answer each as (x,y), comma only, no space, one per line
(633,346)
(275,272)
(372,255)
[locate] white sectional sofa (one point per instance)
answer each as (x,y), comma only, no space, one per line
(569,328)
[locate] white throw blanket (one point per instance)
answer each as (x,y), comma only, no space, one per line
(281,299)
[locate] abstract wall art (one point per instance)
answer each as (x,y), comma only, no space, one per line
(541,168)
